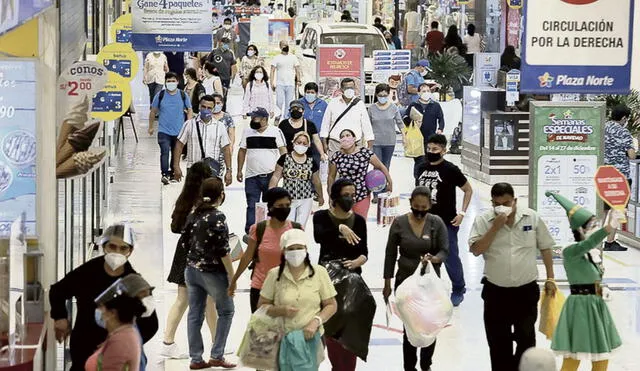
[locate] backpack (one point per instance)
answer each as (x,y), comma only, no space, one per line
(182,95)
(456,139)
(404,98)
(260,228)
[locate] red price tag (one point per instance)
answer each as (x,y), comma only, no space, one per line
(77,87)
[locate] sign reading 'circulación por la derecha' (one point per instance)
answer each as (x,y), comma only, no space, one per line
(577,46)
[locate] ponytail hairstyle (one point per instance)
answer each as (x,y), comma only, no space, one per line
(212,189)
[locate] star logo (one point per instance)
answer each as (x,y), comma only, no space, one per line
(568,114)
(340,53)
(546,80)
(158,39)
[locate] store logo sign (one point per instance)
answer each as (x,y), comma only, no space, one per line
(340,53)
(579,2)
(546,80)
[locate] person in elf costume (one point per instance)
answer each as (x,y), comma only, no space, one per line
(585,330)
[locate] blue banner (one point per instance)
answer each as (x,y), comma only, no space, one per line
(577,46)
(13,13)
(17,144)
(169,42)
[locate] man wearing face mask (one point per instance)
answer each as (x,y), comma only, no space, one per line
(226,32)
(260,147)
(346,112)
(442,178)
(87,282)
(509,238)
(285,76)
(224,61)
(314,109)
(413,80)
(205,137)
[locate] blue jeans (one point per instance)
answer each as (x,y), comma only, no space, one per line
(167,143)
(154,89)
(199,285)
(284,95)
(254,189)
(453,262)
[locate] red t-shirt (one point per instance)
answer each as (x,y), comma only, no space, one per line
(435,41)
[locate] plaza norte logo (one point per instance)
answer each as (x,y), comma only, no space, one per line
(579,2)
(566,128)
(340,53)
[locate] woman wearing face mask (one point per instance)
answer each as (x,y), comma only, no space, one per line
(194,88)
(342,235)
(299,292)
(225,118)
(352,162)
(301,178)
(117,243)
(385,118)
(263,248)
(249,62)
(155,67)
(296,123)
(211,81)
(257,92)
(389,38)
(586,330)
(116,312)
(420,237)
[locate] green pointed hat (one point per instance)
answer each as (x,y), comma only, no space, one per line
(577,214)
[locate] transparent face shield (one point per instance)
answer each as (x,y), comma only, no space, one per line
(121,231)
(131,285)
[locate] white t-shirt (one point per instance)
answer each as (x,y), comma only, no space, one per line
(154,68)
(473,43)
(210,83)
(214,139)
(285,69)
(413,21)
(263,150)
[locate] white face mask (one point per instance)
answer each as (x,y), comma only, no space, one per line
(259,76)
(295,257)
(425,96)
(149,305)
(506,210)
(227,26)
(115,260)
(349,93)
(300,149)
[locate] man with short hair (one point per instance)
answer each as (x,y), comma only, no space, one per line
(377,23)
(314,109)
(224,61)
(205,137)
(285,76)
(345,112)
(226,32)
(170,105)
(618,150)
(435,39)
(260,148)
(510,237)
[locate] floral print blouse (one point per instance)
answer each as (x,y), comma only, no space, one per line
(207,235)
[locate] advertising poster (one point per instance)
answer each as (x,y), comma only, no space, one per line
(113,100)
(565,152)
(121,29)
(172,25)
(17,145)
(13,13)
(119,58)
(486,66)
(280,29)
(390,62)
(577,46)
(335,62)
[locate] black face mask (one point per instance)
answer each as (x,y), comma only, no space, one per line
(295,114)
(434,157)
(255,125)
(280,213)
(285,49)
(345,202)
(419,213)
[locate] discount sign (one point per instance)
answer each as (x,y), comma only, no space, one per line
(612,187)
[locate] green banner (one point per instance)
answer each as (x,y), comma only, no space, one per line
(566,148)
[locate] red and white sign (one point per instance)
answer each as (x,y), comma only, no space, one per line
(83,79)
(340,61)
(612,187)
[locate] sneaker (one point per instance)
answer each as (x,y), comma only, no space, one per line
(165,180)
(456,299)
(614,246)
(221,363)
(172,351)
(173,180)
(199,365)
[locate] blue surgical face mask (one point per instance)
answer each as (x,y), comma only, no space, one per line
(171,86)
(98,318)
(225,46)
(383,100)
(310,97)
(217,108)
(205,114)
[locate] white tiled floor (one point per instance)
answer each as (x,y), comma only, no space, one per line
(138,196)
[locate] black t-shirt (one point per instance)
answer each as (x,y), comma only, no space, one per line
(442,180)
(222,60)
(289,132)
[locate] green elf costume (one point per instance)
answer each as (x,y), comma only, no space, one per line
(585,330)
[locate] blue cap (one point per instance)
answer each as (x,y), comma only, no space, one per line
(424,63)
(259,112)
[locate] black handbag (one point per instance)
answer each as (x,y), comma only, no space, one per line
(209,161)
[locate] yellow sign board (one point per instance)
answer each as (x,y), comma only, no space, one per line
(119,58)
(113,100)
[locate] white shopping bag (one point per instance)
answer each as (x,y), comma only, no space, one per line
(387,208)
(261,211)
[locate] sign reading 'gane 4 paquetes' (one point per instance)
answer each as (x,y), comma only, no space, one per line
(577,46)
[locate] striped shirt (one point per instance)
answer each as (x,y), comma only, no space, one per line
(214,139)
(263,150)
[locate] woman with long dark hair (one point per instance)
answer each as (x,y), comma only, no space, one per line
(509,60)
(453,40)
(185,204)
(211,79)
(257,92)
(249,61)
(194,88)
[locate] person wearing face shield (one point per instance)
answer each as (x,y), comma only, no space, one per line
(302,294)
(420,237)
(260,148)
(85,284)
(585,330)
(509,238)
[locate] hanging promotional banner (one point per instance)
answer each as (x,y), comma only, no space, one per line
(335,62)
(76,85)
(172,25)
(390,62)
(113,100)
(565,151)
(119,58)
(18,93)
(121,29)
(577,46)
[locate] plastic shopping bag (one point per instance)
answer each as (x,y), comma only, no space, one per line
(261,342)
(261,211)
(414,142)
(387,208)
(236,247)
(550,309)
(424,306)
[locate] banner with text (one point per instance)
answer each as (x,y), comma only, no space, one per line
(577,46)
(336,62)
(180,25)
(565,152)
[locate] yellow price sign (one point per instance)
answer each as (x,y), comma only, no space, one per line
(113,100)
(120,59)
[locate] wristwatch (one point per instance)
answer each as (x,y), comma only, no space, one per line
(319,319)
